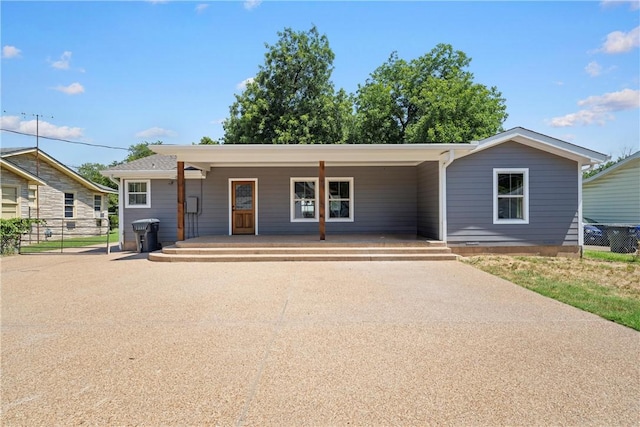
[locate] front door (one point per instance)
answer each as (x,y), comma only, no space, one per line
(243,207)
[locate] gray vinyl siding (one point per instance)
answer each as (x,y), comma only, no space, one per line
(428,199)
(385,201)
(164,202)
(614,198)
(553,198)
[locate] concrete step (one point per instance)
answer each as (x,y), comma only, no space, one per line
(294,256)
(305,250)
(380,243)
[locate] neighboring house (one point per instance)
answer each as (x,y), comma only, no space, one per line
(35,185)
(518,191)
(612,196)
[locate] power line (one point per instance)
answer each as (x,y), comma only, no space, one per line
(65,140)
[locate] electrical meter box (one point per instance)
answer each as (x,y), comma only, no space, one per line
(192,204)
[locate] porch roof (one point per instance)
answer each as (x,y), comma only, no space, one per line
(207,156)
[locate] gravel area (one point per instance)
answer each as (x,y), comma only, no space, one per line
(117,340)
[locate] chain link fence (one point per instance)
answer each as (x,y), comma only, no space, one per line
(620,238)
(65,233)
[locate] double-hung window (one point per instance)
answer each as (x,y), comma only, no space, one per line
(97,205)
(10,205)
(138,194)
(304,199)
(339,199)
(511,196)
(69,205)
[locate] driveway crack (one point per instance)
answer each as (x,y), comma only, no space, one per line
(263,362)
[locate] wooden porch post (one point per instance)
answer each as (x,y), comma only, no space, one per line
(321,207)
(180,201)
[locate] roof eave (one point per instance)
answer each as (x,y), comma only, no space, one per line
(290,155)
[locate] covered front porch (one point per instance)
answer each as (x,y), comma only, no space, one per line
(249,189)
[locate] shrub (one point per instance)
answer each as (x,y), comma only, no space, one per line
(113,222)
(11,231)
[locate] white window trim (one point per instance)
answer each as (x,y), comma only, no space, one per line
(327,199)
(525,204)
(98,214)
(292,198)
(126,193)
(64,205)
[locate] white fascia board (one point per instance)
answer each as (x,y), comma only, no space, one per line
(152,174)
(300,154)
(551,145)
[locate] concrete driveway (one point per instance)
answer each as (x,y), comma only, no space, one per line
(117,340)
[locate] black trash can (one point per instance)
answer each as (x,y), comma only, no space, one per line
(622,239)
(146,234)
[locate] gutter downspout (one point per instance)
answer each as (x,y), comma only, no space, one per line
(443,194)
(580,219)
(120,211)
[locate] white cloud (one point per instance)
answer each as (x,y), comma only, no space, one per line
(599,109)
(633,4)
(217,121)
(627,99)
(10,52)
(72,89)
(155,132)
(201,7)
(63,62)
(243,84)
(251,4)
(620,42)
(44,128)
(593,69)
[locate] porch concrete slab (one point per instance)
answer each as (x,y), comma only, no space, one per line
(118,340)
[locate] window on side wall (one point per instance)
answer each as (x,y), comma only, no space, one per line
(10,205)
(339,192)
(304,199)
(511,196)
(97,205)
(138,194)
(69,205)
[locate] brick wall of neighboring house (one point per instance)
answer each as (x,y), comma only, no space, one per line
(51,200)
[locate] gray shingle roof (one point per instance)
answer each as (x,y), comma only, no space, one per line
(153,162)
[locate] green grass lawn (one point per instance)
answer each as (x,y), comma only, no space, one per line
(611,256)
(74,242)
(601,283)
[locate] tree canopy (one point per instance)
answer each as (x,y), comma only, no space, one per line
(429,99)
(140,150)
(291,100)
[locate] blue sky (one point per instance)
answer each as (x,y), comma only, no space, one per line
(118,73)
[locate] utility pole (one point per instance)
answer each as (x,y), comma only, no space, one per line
(37,116)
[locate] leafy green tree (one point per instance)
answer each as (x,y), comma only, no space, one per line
(292,99)
(591,172)
(205,140)
(91,171)
(138,151)
(429,99)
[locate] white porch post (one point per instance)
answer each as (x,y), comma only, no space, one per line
(442,169)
